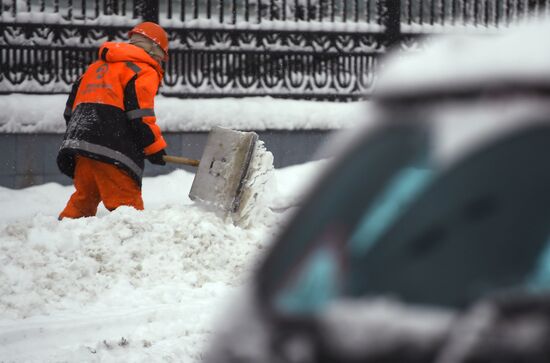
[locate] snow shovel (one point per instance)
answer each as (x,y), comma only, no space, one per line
(222,168)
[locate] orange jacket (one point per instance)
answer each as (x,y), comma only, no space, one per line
(110,111)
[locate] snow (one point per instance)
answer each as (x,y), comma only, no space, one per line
(374,327)
(255,195)
(128,285)
(148,285)
(297,179)
(494,64)
(50,16)
(469,61)
(281,25)
(430,29)
(463,127)
(25,113)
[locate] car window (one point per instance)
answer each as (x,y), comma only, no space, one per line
(399,192)
(297,274)
(480,227)
(321,274)
(418,234)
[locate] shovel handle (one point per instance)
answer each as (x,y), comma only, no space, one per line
(180,160)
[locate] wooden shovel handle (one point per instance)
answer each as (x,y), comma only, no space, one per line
(180,160)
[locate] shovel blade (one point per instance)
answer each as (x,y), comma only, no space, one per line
(223,167)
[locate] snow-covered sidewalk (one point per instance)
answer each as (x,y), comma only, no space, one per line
(124,286)
(25,113)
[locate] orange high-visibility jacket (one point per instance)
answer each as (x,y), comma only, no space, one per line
(110,111)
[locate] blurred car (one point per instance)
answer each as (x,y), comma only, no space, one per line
(426,240)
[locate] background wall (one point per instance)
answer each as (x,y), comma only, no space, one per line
(30,159)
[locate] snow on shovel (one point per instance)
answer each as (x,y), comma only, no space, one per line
(223,168)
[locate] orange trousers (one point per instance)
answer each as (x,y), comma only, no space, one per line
(95,182)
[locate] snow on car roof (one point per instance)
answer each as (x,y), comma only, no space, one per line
(519,55)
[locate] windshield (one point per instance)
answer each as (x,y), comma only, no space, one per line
(315,240)
(387,222)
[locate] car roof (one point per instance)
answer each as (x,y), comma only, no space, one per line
(518,56)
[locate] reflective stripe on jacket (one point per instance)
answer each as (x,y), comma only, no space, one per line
(110,112)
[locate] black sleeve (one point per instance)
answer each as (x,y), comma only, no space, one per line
(70,101)
(143,132)
(157,158)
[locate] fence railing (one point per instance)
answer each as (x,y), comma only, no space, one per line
(51,11)
(287,48)
(469,13)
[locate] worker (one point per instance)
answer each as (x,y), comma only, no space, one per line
(111,124)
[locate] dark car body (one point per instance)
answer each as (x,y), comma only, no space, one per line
(426,239)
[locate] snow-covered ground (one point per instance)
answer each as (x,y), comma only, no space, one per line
(133,286)
(126,286)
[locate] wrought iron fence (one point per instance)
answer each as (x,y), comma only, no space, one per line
(468,13)
(258,11)
(288,48)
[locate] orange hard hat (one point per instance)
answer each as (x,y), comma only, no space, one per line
(154,32)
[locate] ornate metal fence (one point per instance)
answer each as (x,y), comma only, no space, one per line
(287,48)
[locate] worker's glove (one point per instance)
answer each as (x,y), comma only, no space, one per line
(156,158)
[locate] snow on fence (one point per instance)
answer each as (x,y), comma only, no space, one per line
(447,15)
(320,49)
(171,11)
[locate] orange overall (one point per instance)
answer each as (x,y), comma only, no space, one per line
(96,181)
(111,129)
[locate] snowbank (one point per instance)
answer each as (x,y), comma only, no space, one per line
(128,285)
(34,113)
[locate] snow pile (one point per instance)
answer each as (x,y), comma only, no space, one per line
(178,260)
(128,285)
(25,113)
(76,261)
(296,178)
